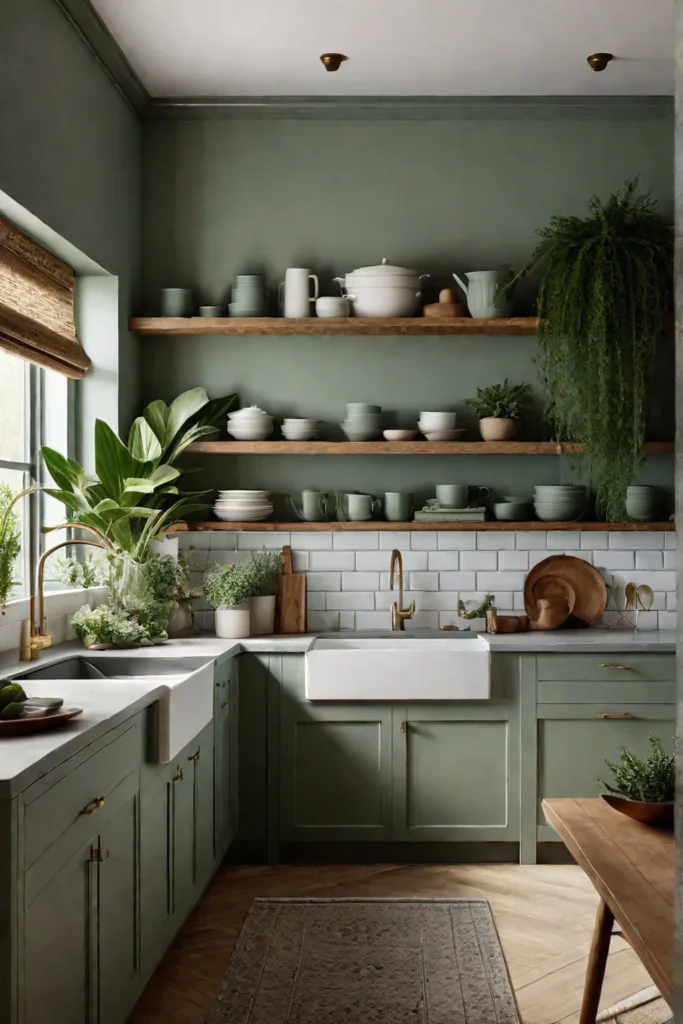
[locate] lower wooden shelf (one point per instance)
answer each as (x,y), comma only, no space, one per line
(401,448)
(372,524)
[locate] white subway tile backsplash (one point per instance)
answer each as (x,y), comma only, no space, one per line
(323,581)
(328,561)
(531,540)
(649,559)
(194,540)
(347,620)
(670,560)
(323,622)
(360,580)
(444,560)
(423,620)
(512,560)
(656,580)
(634,541)
(670,541)
(615,559)
(478,559)
(395,539)
(353,541)
(457,581)
(518,602)
(315,600)
(256,541)
(442,600)
(647,620)
(492,582)
(219,540)
(457,540)
(494,541)
(385,598)
(671,602)
(667,620)
(423,540)
(300,561)
(309,541)
(594,540)
(373,620)
(379,561)
(562,540)
(423,581)
(537,556)
(350,601)
(585,556)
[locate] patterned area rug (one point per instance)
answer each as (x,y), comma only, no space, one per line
(359,961)
(645,1007)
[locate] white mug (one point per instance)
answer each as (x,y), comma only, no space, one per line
(297,296)
(332,305)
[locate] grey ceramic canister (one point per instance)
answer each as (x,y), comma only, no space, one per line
(176,302)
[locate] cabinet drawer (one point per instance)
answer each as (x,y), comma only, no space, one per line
(62,808)
(598,667)
(624,690)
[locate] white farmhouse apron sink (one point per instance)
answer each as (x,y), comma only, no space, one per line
(398,667)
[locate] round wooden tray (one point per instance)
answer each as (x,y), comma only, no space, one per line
(38,723)
(584,579)
(553,588)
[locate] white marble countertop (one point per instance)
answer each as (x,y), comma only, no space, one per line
(578,641)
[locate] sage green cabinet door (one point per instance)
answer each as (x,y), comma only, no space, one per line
(223,775)
(118,914)
(456,773)
(183,838)
(156,865)
(574,741)
(202,762)
(335,772)
(60,946)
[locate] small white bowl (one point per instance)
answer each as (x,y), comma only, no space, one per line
(250,433)
(400,435)
(442,435)
(437,421)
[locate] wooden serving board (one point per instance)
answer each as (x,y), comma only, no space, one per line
(290,606)
(35,722)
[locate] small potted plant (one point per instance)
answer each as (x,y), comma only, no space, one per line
(498,408)
(263,572)
(643,789)
(228,588)
(475,615)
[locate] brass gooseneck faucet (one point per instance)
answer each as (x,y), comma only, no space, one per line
(398,613)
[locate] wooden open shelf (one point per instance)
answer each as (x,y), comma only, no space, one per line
(414,326)
(269,527)
(400,447)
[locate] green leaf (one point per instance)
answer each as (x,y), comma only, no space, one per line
(156,414)
(163,475)
(113,462)
(143,443)
(106,505)
(181,409)
(66,473)
(72,501)
(136,485)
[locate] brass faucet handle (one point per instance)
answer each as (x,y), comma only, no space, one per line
(399,615)
(40,642)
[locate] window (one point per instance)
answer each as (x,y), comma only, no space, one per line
(34,406)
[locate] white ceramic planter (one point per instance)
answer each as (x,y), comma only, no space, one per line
(262,615)
(492,428)
(233,623)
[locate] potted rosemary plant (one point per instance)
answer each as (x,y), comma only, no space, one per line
(263,571)
(643,788)
(498,408)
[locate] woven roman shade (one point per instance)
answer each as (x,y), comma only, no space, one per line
(37,305)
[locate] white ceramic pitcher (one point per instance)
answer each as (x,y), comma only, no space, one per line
(297,292)
(484,298)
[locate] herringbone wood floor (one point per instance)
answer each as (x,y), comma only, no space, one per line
(544,916)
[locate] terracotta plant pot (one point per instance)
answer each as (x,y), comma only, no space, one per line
(233,623)
(492,428)
(641,810)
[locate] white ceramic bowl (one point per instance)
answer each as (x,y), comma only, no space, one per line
(301,435)
(250,433)
(437,421)
(237,516)
(244,494)
(361,435)
(400,435)
(441,435)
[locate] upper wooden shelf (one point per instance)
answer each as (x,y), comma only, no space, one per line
(413,326)
(376,524)
(401,447)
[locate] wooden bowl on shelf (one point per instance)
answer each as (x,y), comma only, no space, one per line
(641,810)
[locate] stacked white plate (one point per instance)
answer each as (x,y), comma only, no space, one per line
(363,422)
(300,429)
(243,506)
(250,424)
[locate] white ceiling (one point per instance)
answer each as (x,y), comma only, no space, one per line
(396,47)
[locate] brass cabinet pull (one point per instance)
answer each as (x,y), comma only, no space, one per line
(624,668)
(608,715)
(404,726)
(193,757)
(179,776)
(93,807)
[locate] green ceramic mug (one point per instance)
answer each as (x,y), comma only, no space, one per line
(398,506)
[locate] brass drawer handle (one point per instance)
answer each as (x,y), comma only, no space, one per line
(403,727)
(93,807)
(193,757)
(609,715)
(624,668)
(179,776)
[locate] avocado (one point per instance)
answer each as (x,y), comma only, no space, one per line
(10,693)
(13,710)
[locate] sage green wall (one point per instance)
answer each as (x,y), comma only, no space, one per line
(232,196)
(70,153)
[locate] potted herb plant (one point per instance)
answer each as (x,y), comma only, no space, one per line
(606,290)
(498,408)
(475,614)
(643,788)
(10,539)
(263,571)
(228,588)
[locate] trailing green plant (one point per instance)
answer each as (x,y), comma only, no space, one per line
(652,779)
(226,586)
(10,539)
(134,496)
(503,401)
(91,571)
(262,570)
(479,612)
(606,289)
(111,626)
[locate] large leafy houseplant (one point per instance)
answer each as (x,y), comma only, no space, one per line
(606,289)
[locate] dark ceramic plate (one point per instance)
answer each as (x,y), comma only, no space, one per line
(38,723)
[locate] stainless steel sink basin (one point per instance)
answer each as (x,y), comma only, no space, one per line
(102,667)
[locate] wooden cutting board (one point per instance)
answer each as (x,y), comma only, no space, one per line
(290,606)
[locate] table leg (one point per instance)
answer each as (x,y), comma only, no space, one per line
(597,960)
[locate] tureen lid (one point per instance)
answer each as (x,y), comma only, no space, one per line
(383,269)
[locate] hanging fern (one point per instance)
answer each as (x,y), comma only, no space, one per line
(606,289)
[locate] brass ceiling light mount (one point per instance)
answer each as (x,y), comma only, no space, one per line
(599,61)
(332,61)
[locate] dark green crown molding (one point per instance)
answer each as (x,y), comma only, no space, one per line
(415,108)
(106,51)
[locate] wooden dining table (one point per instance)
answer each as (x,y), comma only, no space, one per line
(632,868)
